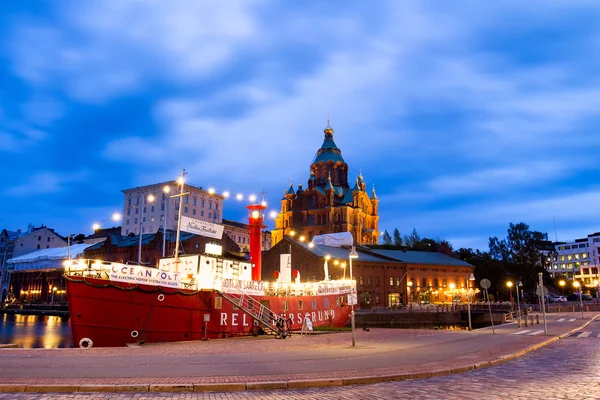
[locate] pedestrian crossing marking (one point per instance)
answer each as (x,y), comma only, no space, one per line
(571,320)
(537,332)
(584,334)
(561,320)
(521,332)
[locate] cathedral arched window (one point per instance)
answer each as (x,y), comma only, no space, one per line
(311,203)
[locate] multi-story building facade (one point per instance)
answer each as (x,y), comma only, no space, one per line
(18,243)
(577,260)
(36,239)
(7,243)
(239,233)
(329,204)
(148,208)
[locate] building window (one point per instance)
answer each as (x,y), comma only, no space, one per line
(314,304)
(137,211)
(362,281)
(209,215)
(129,202)
(218,303)
(128,212)
(127,223)
(376,281)
(391,281)
(185,210)
(186,199)
(369,281)
(195,200)
(201,213)
(143,219)
(377,299)
(193,211)
(202,203)
(38,246)
(210,205)
(216,206)
(300,305)
(398,281)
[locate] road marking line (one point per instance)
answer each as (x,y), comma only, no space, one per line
(537,332)
(571,320)
(561,320)
(521,332)
(585,334)
(598,335)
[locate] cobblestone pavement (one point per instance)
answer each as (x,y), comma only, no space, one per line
(566,369)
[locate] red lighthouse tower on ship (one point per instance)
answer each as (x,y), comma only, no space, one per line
(256,226)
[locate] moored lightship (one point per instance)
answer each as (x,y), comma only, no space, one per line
(197,296)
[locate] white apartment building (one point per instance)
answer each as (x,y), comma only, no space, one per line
(578,259)
(139,213)
(239,233)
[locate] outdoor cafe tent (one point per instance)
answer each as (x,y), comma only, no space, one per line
(46,259)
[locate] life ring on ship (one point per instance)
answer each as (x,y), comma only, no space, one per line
(86,343)
(134,334)
(161,297)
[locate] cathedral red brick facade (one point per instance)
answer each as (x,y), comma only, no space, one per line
(329,204)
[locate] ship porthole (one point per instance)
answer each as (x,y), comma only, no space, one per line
(134,334)
(161,297)
(86,343)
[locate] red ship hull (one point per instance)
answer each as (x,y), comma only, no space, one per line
(108,314)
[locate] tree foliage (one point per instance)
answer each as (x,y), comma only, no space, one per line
(397,238)
(387,239)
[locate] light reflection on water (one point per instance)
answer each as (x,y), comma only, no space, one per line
(33,331)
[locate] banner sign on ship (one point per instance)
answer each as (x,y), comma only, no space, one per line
(201,227)
(255,288)
(143,275)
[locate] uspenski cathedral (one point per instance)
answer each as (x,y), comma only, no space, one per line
(328,204)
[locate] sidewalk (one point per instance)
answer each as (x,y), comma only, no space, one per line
(318,360)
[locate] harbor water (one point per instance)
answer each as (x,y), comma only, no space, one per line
(35,331)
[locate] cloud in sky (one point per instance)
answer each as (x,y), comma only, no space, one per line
(467,116)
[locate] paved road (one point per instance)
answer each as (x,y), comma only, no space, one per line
(566,369)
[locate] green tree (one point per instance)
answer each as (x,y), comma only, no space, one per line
(397,238)
(520,253)
(412,240)
(387,239)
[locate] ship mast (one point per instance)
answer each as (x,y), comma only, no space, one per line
(181,181)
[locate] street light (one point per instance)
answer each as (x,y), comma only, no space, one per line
(470,278)
(408,287)
(578,286)
(510,285)
(147,200)
(353,254)
(562,284)
(597,284)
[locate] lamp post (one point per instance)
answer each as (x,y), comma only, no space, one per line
(150,199)
(470,278)
(353,254)
(519,285)
(53,291)
(510,285)
(597,283)
(344,267)
(578,286)
(408,286)
(562,284)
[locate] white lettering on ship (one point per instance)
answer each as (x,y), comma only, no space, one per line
(299,318)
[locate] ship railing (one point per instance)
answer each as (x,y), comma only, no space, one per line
(253,307)
(88,268)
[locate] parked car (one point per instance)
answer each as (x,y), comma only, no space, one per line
(557,299)
(575,297)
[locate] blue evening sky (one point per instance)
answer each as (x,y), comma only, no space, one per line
(467,115)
